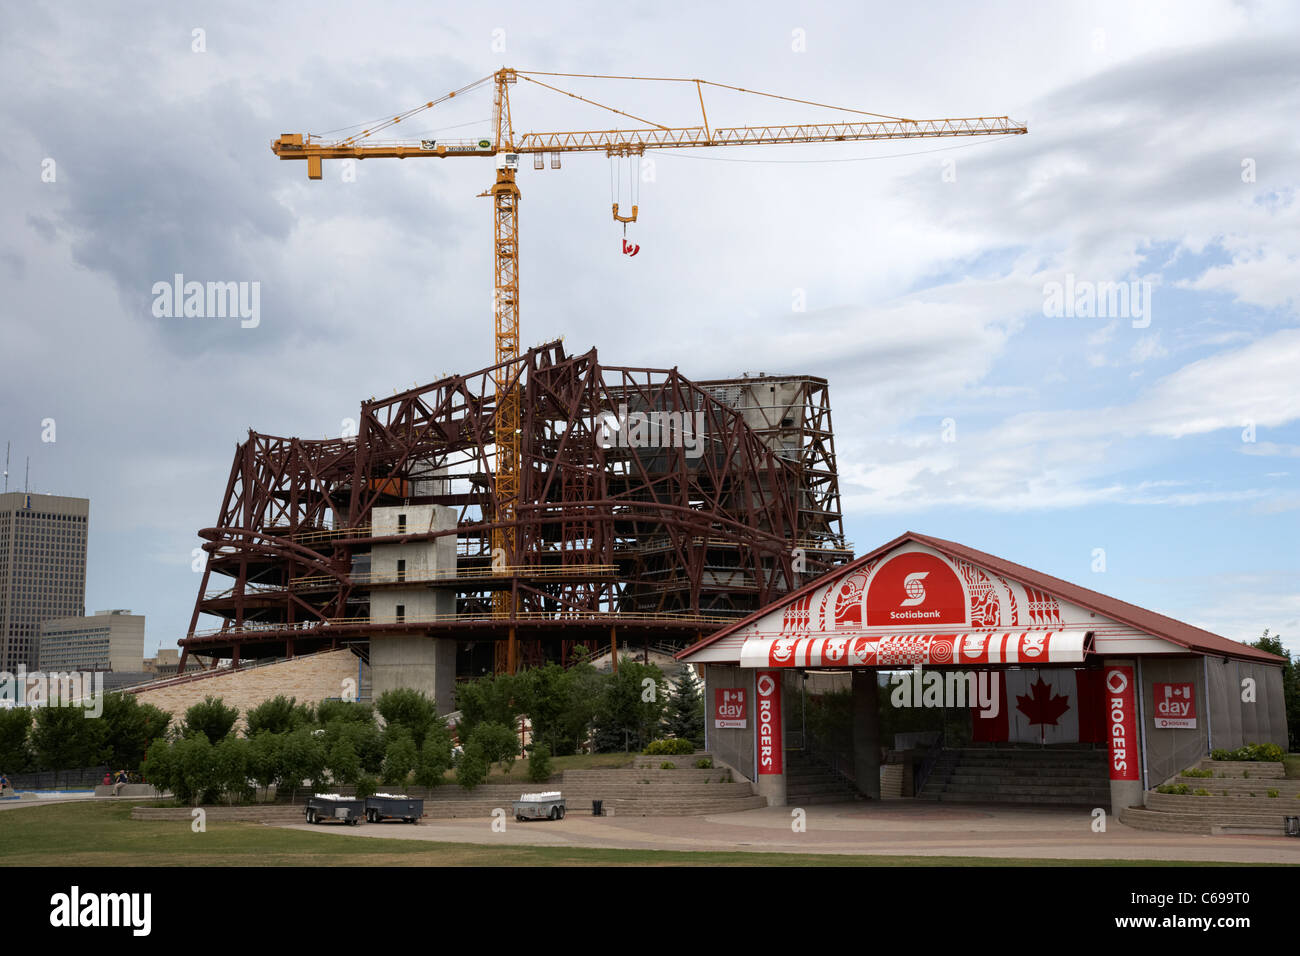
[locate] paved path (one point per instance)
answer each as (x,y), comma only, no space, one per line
(904,828)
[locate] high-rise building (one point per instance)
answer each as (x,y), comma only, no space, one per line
(42,569)
(103,641)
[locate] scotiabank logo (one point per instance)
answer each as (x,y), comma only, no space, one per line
(915,588)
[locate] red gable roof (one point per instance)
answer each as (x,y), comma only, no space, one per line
(1157,625)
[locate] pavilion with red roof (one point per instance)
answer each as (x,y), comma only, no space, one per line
(1045,664)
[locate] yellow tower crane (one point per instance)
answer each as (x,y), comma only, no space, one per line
(506,146)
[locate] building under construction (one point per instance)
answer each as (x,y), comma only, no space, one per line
(650,509)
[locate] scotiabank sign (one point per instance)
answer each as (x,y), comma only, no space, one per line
(768,707)
(915,588)
(729,707)
(1121,717)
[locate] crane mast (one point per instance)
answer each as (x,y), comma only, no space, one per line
(506,148)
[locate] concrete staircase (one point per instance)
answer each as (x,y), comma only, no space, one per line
(1030,775)
(808,782)
(1238,801)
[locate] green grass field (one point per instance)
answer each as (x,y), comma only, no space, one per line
(103,834)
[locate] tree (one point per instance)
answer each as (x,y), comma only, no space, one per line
(302,757)
(400,758)
(15,728)
(472,768)
(230,768)
(130,728)
(266,759)
(435,756)
(497,699)
(547,699)
(685,715)
(1290,685)
(211,718)
(539,764)
(193,774)
(496,742)
(365,739)
(343,763)
(631,708)
(328,711)
(158,767)
(64,738)
(279,715)
(407,708)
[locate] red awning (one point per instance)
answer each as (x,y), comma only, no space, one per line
(972,648)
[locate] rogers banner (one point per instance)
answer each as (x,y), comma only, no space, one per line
(1175,705)
(768,738)
(729,707)
(1121,711)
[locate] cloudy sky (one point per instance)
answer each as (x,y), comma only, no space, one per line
(1161,440)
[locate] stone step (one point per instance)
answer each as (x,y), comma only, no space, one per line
(1019,777)
(1083,800)
(1173,822)
(1192,803)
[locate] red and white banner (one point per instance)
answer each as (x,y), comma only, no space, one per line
(729,707)
(1045,706)
(768,739)
(1121,710)
(1175,706)
(895,650)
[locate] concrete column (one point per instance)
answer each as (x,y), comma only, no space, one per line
(866,733)
(1123,730)
(417,661)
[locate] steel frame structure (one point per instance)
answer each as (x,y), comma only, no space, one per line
(659,542)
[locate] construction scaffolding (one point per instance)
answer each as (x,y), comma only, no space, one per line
(648,508)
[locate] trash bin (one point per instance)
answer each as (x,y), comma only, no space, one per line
(1293,826)
(596,806)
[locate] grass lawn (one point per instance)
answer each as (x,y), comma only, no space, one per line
(103,834)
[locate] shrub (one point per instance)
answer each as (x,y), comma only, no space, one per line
(1267,753)
(668,747)
(212,718)
(1201,792)
(495,743)
(1193,772)
(539,764)
(1274,793)
(472,768)
(1178,788)
(704,763)
(668,765)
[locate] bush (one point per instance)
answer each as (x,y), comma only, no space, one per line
(1180,788)
(212,718)
(671,746)
(496,743)
(472,768)
(1201,792)
(1193,772)
(539,764)
(668,765)
(1267,753)
(1274,793)
(704,763)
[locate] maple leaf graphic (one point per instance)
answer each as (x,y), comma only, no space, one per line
(1040,705)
